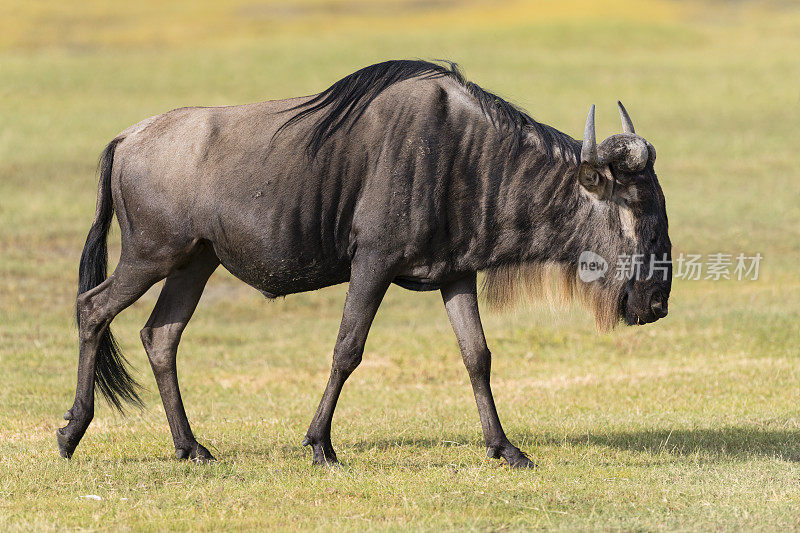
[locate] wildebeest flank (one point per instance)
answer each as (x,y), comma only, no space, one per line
(402,172)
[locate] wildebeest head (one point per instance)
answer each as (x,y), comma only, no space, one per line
(619,173)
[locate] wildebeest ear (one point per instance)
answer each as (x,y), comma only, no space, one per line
(591,179)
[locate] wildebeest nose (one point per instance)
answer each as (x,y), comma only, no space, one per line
(658,304)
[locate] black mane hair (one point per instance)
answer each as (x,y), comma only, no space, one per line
(347,99)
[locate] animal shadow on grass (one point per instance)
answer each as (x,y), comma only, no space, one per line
(730,442)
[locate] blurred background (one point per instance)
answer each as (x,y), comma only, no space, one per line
(715,86)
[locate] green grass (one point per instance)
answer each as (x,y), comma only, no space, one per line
(691,423)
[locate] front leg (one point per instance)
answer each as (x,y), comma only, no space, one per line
(369,280)
(461,301)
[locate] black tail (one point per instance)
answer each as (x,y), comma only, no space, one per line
(110,374)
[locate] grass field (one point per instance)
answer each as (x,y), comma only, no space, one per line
(692,423)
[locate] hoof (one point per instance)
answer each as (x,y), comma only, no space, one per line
(323,452)
(64,447)
(195,452)
(513,456)
(522,462)
(79,416)
(67,441)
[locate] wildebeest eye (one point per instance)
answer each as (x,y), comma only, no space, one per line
(620,175)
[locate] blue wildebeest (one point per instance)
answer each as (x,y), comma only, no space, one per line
(402,172)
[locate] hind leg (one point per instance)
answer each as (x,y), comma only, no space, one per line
(96,309)
(161,335)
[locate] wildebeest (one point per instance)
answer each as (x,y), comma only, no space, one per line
(402,172)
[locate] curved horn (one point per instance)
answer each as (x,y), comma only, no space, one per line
(627,123)
(589,148)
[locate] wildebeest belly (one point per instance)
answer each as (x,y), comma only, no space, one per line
(278,257)
(284,276)
(280,245)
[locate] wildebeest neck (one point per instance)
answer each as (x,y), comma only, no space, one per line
(524,207)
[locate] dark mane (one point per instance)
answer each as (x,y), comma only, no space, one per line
(347,99)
